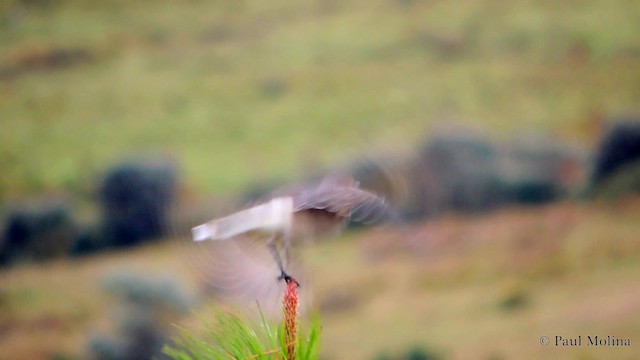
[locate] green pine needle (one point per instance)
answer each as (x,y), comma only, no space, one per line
(234,337)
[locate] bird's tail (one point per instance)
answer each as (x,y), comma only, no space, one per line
(270,216)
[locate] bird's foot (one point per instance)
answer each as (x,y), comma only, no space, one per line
(287,278)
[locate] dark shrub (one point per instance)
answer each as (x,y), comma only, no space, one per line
(89,240)
(619,147)
(620,184)
(159,292)
(455,171)
(135,200)
(148,308)
(538,169)
(461,170)
(37,233)
(142,338)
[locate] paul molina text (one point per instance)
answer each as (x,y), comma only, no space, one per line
(592,340)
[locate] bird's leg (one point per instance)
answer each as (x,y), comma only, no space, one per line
(287,250)
(276,256)
(287,247)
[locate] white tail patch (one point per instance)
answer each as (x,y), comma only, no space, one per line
(201,233)
(271,216)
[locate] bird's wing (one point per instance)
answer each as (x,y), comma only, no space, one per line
(270,216)
(349,202)
(242,272)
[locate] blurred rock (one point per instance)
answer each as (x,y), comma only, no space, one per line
(538,169)
(89,240)
(37,232)
(619,147)
(455,170)
(149,307)
(143,291)
(461,170)
(135,200)
(620,184)
(142,338)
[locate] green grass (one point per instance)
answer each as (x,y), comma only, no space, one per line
(235,337)
(195,80)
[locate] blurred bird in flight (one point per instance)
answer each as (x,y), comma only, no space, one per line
(298,213)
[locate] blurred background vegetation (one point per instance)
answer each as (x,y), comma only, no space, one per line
(113,111)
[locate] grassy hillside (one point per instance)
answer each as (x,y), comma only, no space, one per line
(234,91)
(483,288)
(240,90)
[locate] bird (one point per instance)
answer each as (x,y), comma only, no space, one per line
(299,212)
